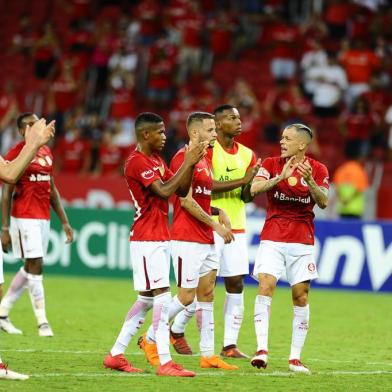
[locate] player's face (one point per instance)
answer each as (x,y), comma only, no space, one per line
(290,143)
(230,122)
(157,137)
(28,121)
(207,132)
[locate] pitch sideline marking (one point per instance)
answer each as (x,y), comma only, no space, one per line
(214,374)
(77,352)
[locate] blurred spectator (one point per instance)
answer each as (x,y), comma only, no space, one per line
(328,83)
(45,52)
(148,15)
(162,65)
(124,62)
(351,182)
(191,27)
(336,16)
(73,152)
(283,38)
(359,64)
(283,104)
(8,112)
(358,126)
(23,39)
(110,156)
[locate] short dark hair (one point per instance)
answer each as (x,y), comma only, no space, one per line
(147,118)
(20,119)
(220,109)
(198,116)
(301,128)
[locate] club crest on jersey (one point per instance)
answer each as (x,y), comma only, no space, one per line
(303,182)
(148,174)
(292,181)
(311,267)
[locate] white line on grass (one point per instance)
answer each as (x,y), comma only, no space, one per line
(218,373)
(87,352)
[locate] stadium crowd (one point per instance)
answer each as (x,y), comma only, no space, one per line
(92,65)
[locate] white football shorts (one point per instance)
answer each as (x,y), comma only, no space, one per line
(150,264)
(233,257)
(1,266)
(297,260)
(30,237)
(191,261)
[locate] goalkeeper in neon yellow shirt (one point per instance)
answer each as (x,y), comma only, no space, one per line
(234,167)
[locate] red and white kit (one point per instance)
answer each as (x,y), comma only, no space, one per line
(192,245)
(30,214)
(287,238)
(149,236)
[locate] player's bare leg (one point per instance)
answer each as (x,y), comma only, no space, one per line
(233,316)
(133,321)
(300,293)
(205,322)
(160,322)
(184,298)
(16,289)
(267,284)
(34,269)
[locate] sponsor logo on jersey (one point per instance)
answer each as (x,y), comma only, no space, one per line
(230,170)
(203,190)
(39,177)
(281,196)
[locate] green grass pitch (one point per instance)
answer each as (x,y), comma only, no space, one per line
(349,346)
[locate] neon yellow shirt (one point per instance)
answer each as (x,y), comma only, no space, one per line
(227,166)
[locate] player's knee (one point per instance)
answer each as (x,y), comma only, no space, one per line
(300,299)
(34,266)
(206,295)
(234,284)
(186,296)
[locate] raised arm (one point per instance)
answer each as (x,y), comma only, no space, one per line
(35,137)
(225,186)
(261,184)
(182,179)
(318,193)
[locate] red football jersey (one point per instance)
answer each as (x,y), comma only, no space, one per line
(151,215)
(290,206)
(185,226)
(31,198)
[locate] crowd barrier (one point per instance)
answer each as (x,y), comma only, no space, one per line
(349,255)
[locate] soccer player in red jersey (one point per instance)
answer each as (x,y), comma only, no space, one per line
(28,202)
(294,183)
(35,137)
(151,183)
(193,253)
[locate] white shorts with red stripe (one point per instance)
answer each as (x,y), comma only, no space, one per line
(150,264)
(277,258)
(30,237)
(191,261)
(233,257)
(1,266)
